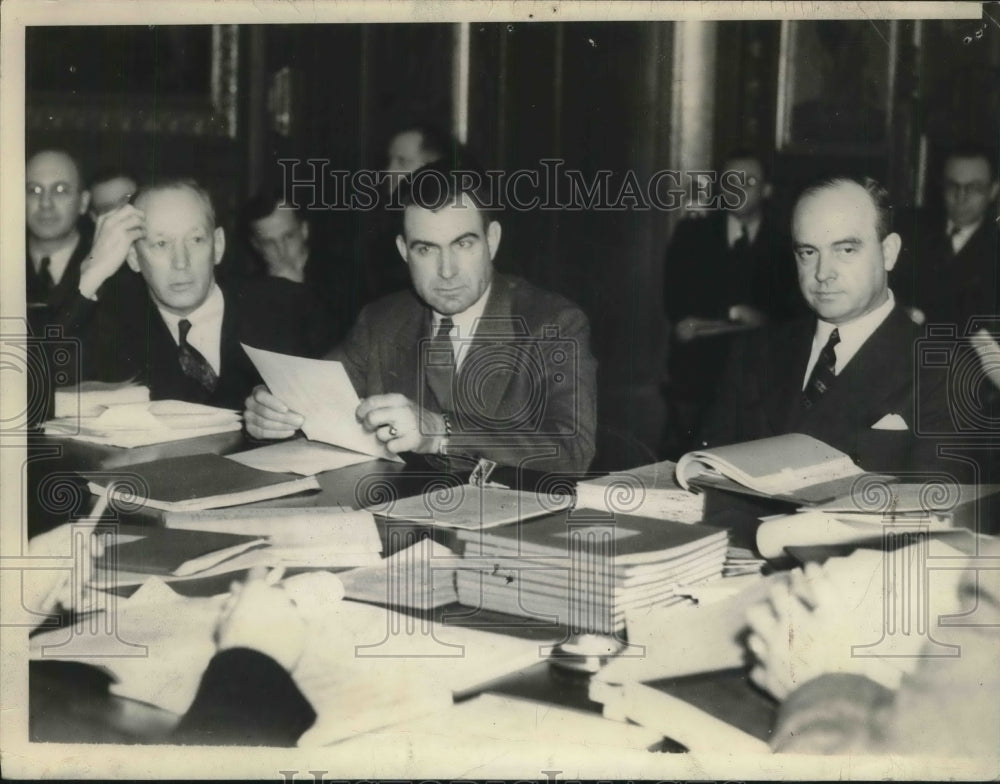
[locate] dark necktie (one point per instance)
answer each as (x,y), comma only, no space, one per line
(193,364)
(45,279)
(823,373)
(743,241)
(440,365)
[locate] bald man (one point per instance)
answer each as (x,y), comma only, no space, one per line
(55,199)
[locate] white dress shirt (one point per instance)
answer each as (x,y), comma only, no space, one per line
(852,336)
(465,326)
(734,229)
(206,327)
(58,260)
(961,237)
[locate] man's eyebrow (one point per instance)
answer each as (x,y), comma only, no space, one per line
(849,241)
(414,242)
(467,235)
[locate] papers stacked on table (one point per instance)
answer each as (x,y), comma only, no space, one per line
(650,491)
(142,423)
(90,398)
(587,572)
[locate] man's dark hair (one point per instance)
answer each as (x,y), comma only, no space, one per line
(971,149)
(752,154)
(434,142)
(179,183)
(109,173)
(262,204)
(439,184)
(878,194)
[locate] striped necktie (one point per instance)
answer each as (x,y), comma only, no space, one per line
(823,373)
(193,363)
(440,365)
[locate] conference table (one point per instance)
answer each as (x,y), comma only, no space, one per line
(70,701)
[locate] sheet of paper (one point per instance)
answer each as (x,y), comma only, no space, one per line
(415,581)
(321,391)
(300,456)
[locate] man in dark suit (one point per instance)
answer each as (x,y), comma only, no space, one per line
(846,376)
(949,273)
(297,280)
(55,200)
(179,333)
(726,270)
(470,362)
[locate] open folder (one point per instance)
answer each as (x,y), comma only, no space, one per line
(321,391)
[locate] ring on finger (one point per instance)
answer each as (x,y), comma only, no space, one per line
(392,431)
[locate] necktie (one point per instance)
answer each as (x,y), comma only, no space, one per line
(743,241)
(193,364)
(45,276)
(823,373)
(952,234)
(440,365)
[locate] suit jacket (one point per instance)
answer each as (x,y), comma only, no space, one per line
(762,386)
(950,288)
(245,698)
(704,277)
(124,336)
(49,309)
(526,389)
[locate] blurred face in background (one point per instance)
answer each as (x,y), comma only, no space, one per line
(109,195)
(755,187)
(969,189)
(282,240)
(182,246)
(54,197)
(405,155)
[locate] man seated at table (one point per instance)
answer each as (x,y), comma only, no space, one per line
(179,333)
(471,362)
(848,376)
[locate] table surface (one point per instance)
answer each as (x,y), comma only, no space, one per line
(70,702)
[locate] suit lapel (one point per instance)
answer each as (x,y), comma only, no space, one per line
(786,368)
(402,362)
(496,326)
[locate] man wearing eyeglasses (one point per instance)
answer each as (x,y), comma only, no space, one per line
(949,274)
(55,200)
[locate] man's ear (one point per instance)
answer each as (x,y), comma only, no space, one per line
(401,246)
(219,244)
(132,258)
(84,202)
(890,250)
(493,233)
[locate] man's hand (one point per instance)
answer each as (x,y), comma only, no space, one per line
(747,314)
(116,231)
(804,630)
(263,618)
(44,589)
(401,424)
(267,417)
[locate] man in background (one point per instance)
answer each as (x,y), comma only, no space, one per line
(726,270)
(55,200)
(109,190)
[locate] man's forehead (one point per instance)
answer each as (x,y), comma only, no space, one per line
(749,165)
(53,166)
(281,218)
(971,168)
(168,206)
(462,213)
(836,205)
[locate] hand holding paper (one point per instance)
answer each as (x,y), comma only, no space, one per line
(314,394)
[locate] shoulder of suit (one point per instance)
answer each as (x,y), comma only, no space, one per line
(533,302)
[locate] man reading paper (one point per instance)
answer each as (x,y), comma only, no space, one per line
(469,362)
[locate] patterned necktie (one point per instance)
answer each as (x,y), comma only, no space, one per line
(193,364)
(440,365)
(45,276)
(823,373)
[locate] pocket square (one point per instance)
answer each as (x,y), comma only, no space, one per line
(891,422)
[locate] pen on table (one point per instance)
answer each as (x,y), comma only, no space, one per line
(274,576)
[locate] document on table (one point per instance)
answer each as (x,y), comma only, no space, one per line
(321,391)
(300,456)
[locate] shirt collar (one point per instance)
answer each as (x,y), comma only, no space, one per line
(854,333)
(208,311)
(467,319)
(734,228)
(960,237)
(58,260)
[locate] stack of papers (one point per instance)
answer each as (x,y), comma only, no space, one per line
(584,573)
(650,491)
(90,398)
(139,424)
(421,576)
(472,508)
(300,456)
